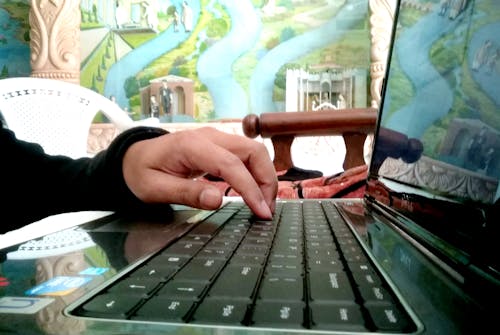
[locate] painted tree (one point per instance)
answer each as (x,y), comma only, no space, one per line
(5,72)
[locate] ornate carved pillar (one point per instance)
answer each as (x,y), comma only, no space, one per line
(55,39)
(381,22)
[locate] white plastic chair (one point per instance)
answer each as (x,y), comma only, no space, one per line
(55,114)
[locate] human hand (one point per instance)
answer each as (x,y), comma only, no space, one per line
(163,170)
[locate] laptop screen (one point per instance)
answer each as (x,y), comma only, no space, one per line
(436,158)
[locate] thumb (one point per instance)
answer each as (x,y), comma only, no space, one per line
(160,187)
(195,194)
(209,198)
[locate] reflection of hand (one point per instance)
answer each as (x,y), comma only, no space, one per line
(147,238)
(161,170)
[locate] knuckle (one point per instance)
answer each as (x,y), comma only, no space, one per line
(230,161)
(259,149)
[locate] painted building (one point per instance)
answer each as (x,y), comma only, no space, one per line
(330,88)
(182,91)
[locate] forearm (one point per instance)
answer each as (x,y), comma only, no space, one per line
(47,185)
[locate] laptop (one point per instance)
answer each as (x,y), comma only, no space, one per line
(416,255)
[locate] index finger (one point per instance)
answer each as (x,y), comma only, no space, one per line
(255,157)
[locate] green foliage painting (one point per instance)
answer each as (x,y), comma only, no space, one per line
(222,59)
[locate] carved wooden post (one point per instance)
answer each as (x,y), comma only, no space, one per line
(55,39)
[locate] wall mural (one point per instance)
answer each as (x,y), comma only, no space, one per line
(14,39)
(200,60)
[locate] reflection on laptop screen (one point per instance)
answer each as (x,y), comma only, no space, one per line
(443,90)
(439,135)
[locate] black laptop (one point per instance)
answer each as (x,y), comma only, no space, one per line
(417,255)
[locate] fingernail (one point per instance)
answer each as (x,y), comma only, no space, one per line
(272,207)
(266,211)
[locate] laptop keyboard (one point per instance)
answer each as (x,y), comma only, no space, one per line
(303,270)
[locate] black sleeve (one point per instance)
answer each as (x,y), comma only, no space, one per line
(35,185)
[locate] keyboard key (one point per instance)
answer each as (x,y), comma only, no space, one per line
(280,314)
(320,245)
(262,234)
(284,258)
(164,309)
(220,217)
(252,250)
(184,248)
(263,228)
(355,257)
(205,229)
(353,253)
(288,239)
(133,285)
(254,260)
(158,271)
(111,305)
(182,289)
(288,249)
(215,253)
(217,311)
(366,278)
(282,288)
(360,267)
(165,260)
(222,243)
(387,317)
(235,233)
(322,264)
(324,253)
(325,239)
(330,286)
(340,316)
(236,281)
(260,241)
(375,293)
(200,269)
(284,270)
(193,238)
(318,231)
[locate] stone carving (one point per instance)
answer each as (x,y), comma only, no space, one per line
(55,39)
(51,319)
(61,265)
(441,177)
(100,136)
(381,22)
